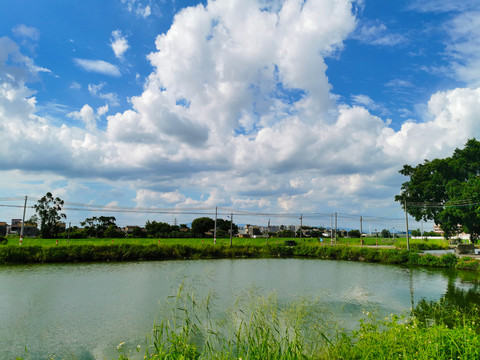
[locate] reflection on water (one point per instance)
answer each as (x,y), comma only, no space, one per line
(84,311)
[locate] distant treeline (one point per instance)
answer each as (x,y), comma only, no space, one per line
(105,227)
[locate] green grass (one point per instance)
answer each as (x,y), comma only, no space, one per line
(132,249)
(257,327)
(369,241)
(14,241)
(401,338)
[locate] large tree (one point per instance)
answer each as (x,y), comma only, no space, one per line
(49,210)
(202,225)
(446,191)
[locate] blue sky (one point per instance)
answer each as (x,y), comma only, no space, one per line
(255,106)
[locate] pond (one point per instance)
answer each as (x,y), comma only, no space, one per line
(84,311)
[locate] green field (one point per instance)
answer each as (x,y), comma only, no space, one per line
(400,243)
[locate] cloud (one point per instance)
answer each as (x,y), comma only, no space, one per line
(460,34)
(464,46)
(237,111)
(119,44)
(75,85)
(377,34)
(102,110)
(138,8)
(87,115)
(111,97)
(16,67)
(28,32)
(364,100)
(399,83)
(442,5)
(98,66)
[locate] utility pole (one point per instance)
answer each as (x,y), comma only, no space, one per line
(231,228)
(268,230)
(68,232)
(335,228)
(215,228)
(23,221)
(406,221)
(361,231)
(422,231)
(301,223)
(331,228)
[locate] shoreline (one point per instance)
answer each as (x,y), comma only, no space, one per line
(386,254)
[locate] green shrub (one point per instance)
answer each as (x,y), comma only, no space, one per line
(467,263)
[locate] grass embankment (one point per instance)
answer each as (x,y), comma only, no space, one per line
(88,250)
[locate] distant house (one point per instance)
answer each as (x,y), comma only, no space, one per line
(29,230)
(129,229)
(3,228)
(15,228)
(61,226)
(242,233)
(460,234)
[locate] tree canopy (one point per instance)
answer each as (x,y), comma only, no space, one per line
(202,225)
(446,191)
(48,210)
(96,226)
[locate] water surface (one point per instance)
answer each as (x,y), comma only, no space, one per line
(84,311)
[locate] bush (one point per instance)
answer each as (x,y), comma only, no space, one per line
(3,241)
(467,263)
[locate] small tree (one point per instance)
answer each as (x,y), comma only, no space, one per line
(113,232)
(48,210)
(354,233)
(385,233)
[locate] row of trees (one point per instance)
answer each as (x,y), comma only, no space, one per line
(49,212)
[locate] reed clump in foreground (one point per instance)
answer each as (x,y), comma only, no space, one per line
(259,328)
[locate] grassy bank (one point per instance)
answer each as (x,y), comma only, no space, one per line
(144,249)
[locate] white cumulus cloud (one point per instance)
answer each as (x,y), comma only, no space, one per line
(237,111)
(98,66)
(119,43)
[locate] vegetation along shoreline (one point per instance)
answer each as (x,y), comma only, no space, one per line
(122,251)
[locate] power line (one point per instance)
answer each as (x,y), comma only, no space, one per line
(71,206)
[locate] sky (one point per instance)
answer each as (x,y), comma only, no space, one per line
(166,109)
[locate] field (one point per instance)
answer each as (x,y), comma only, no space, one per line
(400,243)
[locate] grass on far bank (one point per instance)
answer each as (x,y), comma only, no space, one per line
(401,243)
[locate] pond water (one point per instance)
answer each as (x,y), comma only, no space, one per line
(83,311)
